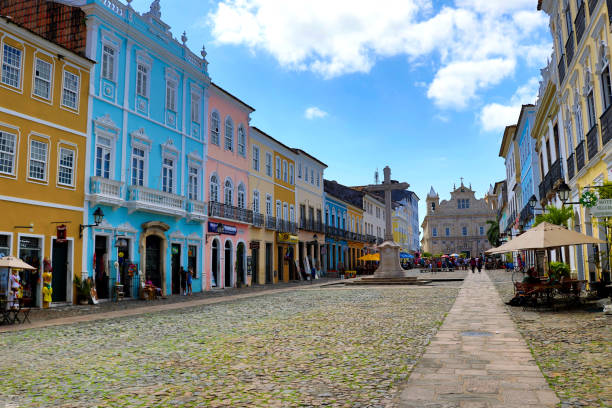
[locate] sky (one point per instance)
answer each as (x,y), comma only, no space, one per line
(423,86)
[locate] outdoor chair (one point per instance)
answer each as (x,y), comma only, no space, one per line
(5,312)
(23,311)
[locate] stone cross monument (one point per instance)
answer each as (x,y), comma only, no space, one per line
(389,266)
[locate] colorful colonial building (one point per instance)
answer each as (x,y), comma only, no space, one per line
(44,108)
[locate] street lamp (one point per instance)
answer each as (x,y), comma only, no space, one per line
(533,201)
(564,192)
(98,217)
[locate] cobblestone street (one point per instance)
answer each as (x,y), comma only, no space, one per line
(308,347)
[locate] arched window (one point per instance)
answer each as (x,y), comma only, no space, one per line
(241,196)
(241,141)
(215,122)
(256,202)
(229,134)
(229,192)
(214,188)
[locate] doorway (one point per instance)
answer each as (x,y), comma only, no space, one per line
(255,266)
(269,263)
(228,264)
(214,264)
(153,260)
(176,268)
(240,259)
(59,279)
(101,263)
(124,260)
(281,266)
(30,251)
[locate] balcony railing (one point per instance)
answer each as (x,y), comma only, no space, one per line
(592,142)
(311,225)
(580,22)
(286,226)
(606,125)
(561,67)
(196,210)
(258,220)
(571,169)
(147,199)
(569,48)
(106,190)
(552,178)
(230,212)
(271,223)
(580,156)
(526,214)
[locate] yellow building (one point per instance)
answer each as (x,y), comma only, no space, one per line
(262,233)
(581,38)
(44,92)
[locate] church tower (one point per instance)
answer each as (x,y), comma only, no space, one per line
(433,201)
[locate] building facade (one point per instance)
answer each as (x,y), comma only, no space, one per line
(44,104)
(146,152)
(530,172)
(508,151)
(457,225)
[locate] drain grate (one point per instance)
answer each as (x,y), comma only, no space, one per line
(476,334)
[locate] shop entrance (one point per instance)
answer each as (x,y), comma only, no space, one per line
(176,269)
(240,259)
(255,266)
(30,251)
(214,264)
(228,264)
(123,258)
(153,260)
(281,266)
(101,264)
(268,263)
(59,263)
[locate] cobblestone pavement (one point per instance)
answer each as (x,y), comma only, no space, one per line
(572,347)
(338,347)
(477,359)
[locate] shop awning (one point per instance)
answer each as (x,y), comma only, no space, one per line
(14,263)
(286,238)
(370,257)
(405,255)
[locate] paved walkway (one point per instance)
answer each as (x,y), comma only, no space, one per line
(478,359)
(151,308)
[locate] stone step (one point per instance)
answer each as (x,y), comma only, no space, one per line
(389,281)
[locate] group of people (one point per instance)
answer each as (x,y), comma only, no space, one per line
(457,263)
(186,278)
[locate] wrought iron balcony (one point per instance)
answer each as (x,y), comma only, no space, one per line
(569,48)
(526,214)
(106,191)
(196,210)
(551,180)
(580,22)
(571,169)
(592,142)
(258,220)
(229,212)
(580,156)
(270,223)
(148,199)
(561,67)
(606,125)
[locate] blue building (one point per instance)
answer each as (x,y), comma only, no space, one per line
(336,245)
(530,173)
(147,151)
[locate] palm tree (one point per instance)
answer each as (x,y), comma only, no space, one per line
(493,232)
(556,216)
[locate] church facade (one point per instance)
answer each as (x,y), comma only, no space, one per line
(457,225)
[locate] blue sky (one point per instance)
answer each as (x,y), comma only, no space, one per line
(423,86)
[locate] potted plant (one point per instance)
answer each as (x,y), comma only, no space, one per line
(558,270)
(83,290)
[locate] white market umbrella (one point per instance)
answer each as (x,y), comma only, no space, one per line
(14,263)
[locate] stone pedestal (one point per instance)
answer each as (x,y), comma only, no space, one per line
(389,266)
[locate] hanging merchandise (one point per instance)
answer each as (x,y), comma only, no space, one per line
(47,290)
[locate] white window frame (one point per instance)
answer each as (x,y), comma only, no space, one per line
(312,177)
(76,91)
(104,148)
(278,168)
(291,174)
(215,132)
(36,78)
(255,158)
(31,159)
(228,134)
(193,182)
(285,212)
(268,205)
(60,165)
(318,179)
(269,170)
(13,155)
(291,213)
(299,170)
(165,167)
(285,171)
(241,196)
(256,201)
(279,209)
(143,79)
(228,192)
(241,142)
(105,66)
(9,236)
(143,159)
(19,68)
(171,95)
(213,189)
(196,108)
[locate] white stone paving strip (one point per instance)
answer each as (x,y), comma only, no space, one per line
(478,359)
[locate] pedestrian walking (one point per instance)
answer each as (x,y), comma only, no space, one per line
(479,264)
(183,281)
(473,264)
(189,278)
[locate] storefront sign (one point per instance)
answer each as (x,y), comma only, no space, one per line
(602,209)
(61,233)
(254,245)
(286,238)
(221,228)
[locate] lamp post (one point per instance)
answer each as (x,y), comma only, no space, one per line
(98,217)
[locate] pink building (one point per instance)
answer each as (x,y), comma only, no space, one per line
(228,190)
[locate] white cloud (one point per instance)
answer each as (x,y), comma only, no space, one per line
(496,116)
(333,38)
(314,113)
